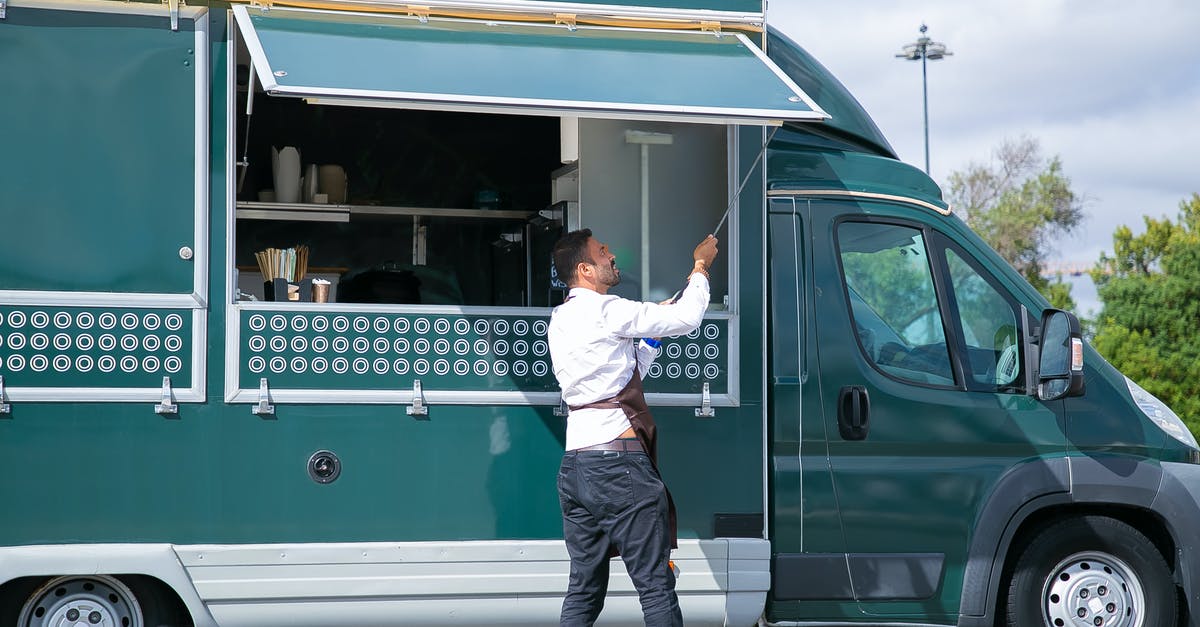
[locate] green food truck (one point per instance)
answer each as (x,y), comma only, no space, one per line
(274,286)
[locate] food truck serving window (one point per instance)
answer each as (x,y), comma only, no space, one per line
(461,150)
(551,69)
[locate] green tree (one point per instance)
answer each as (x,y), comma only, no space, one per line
(1020,203)
(1149,325)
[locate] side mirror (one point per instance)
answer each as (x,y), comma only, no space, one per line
(1060,359)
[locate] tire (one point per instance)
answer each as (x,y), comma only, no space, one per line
(88,599)
(1079,570)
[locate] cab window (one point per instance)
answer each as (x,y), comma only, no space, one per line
(989,326)
(893,302)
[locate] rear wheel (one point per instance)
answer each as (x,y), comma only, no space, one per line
(1088,572)
(89,600)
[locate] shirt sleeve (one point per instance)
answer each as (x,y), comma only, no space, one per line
(628,318)
(646,356)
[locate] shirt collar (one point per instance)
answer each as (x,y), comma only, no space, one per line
(577,292)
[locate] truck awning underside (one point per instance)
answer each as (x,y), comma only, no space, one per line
(534,69)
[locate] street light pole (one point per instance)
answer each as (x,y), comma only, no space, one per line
(924,49)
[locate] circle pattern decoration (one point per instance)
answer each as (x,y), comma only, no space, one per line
(75,347)
(470,351)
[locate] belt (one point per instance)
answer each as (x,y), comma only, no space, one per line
(629,445)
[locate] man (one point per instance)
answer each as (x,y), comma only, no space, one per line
(613,499)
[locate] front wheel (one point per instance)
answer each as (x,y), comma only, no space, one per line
(1091,571)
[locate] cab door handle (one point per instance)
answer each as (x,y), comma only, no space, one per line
(854,412)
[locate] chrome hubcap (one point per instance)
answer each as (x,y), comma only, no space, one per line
(1093,589)
(98,601)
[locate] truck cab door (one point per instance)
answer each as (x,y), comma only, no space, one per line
(921,390)
(810,576)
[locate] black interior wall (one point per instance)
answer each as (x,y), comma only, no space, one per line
(412,159)
(406,157)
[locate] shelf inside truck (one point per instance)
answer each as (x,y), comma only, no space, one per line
(343,213)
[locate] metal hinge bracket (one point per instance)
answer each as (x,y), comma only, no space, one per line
(711,27)
(264,406)
(5,408)
(566,19)
(705,410)
(167,406)
(418,409)
(562,410)
(419,12)
(173,9)
(264,5)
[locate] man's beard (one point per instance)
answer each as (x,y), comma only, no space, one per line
(609,274)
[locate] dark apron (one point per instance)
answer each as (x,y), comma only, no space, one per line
(632,400)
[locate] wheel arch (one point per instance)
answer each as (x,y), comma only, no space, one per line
(1040,492)
(152,565)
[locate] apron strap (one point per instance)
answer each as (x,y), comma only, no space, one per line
(610,402)
(605,404)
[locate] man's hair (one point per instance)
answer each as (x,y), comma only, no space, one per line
(569,251)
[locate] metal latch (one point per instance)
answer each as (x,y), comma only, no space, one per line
(264,406)
(562,410)
(3,8)
(173,9)
(167,406)
(705,410)
(710,27)
(5,408)
(418,408)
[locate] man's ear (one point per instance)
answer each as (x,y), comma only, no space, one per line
(583,269)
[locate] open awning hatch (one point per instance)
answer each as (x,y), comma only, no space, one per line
(447,64)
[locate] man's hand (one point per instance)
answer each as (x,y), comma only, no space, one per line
(706,251)
(705,254)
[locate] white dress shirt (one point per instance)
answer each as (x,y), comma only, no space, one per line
(593,342)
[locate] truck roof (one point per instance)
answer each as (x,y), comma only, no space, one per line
(848,120)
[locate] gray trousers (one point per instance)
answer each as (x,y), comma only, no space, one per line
(612,498)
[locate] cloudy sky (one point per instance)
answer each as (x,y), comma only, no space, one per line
(1112,87)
